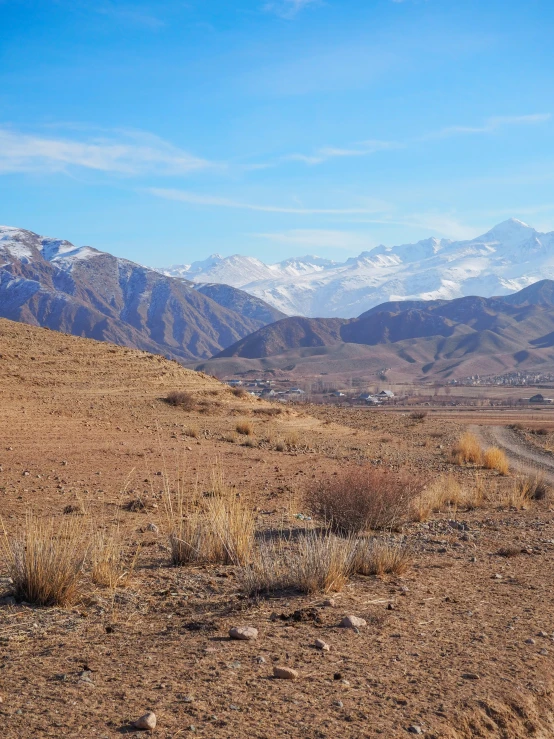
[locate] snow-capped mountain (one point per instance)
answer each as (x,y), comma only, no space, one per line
(507,258)
(83,291)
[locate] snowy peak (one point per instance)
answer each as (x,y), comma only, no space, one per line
(509,257)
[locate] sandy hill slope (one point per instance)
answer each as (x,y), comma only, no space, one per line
(455,338)
(79,290)
(457,645)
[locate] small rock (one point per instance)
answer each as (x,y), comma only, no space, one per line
(147,722)
(544,652)
(529,641)
(352,622)
(152,527)
(261,660)
(415,729)
(329,603)
(244,633)
(338,704)
(470,676)
(345,682)
(285,673)
(320,644)
(543,634)
(497,576)
(188,699)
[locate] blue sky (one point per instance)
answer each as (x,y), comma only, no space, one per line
(165,131)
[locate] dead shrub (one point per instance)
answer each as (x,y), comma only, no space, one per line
(467,450)
(495,459)
(239,392)
(316,563)
(45,562)
(182,399)
(539,489)
(280,446)
(379,557)
(525,490)
(540,432)
(245,428)
(364,498)
(509,551)
(191,431)
(271,411)
(418,415)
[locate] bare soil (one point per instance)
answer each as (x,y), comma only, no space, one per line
(461,646)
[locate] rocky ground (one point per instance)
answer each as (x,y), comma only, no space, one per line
(460,646)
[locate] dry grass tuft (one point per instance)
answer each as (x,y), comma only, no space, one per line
(378,557)
(446,492)
(182,399)
(495,459)
(467,450)
(364,498)
(45,563)
(239,392)
(316,563)
(418,415)
(216,529)
(524,491)
(245,428)
(109,568)
(509,551)
(191,431)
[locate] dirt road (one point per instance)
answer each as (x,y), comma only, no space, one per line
(522,454)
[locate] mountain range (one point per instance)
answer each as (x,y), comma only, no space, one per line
(507,258)
(80,290)
(437,339)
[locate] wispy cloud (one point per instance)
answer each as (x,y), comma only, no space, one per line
(126,153)
(193,198)
(288,9)
(491,125)
(362,149)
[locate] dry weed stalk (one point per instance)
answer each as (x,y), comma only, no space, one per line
(46,561)
(446,492)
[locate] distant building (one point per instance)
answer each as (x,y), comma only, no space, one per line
(373,401)
(338,394)
(385,394)
(538,398)
(365,396)
(234,383)
(268,393)
(296,391)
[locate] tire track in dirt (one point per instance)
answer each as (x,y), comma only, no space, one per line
(522,454)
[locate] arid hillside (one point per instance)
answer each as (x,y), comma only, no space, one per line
(182,509)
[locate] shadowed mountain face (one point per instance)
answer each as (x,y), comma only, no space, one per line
(443,337)
(81,291)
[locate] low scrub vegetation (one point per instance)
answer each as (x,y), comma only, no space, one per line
(378,557)
(108,565)
(217,529)
(181,399)
(314,563)
(447,492)
(495,459)
(45,562)
(467,450)
(245,428)
(364,498)
(418,415)
(239,392)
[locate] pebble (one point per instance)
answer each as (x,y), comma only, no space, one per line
(148,722)
(152,527)
(244,633)
(338,704)
(285,673)
(543,634)
(529,641)
(497,576)
(544,652)
(320,644)
(415,729)
(329,603)
(261,660)
(470,676)
(352,622)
